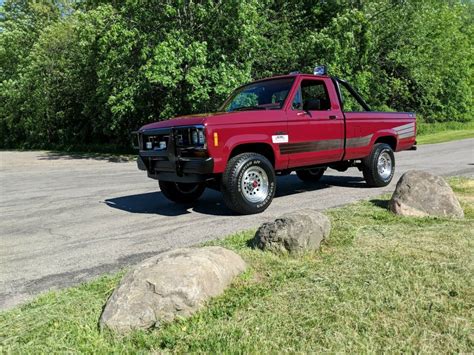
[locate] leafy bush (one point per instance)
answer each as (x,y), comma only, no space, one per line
(89,72)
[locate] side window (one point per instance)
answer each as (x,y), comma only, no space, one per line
(297,101)
(350,103)
(312,96)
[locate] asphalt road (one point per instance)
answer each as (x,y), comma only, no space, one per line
(66,219)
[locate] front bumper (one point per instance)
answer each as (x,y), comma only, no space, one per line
(182,170)
(169,164)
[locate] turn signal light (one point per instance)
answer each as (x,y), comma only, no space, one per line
(216,139)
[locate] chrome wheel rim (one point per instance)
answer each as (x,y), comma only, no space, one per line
(384,165)
(254,184)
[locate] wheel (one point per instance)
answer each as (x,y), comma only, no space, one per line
(310,175)
(248,183)
(378,168)
(181,192)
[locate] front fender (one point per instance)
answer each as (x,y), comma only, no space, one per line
(222,153)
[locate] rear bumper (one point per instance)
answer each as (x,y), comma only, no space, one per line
(413,147)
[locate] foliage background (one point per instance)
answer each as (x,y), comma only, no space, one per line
(79,73)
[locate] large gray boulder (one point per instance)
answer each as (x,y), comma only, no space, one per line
(173,284)
(420,194)
(294,232)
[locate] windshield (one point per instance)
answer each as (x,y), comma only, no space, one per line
(262,95)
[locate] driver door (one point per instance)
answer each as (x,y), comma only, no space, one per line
(315,124)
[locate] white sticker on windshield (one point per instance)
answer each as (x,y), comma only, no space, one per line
(280,138)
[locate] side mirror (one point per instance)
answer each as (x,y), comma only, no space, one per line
(297,106)
(312,105)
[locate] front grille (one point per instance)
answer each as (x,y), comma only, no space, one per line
(154,142)
(185,139)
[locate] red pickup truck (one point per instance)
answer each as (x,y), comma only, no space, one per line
(298,122)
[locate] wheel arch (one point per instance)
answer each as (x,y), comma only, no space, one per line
(391,140)
(264,149)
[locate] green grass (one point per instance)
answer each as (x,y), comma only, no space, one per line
(380,283)
(444,132)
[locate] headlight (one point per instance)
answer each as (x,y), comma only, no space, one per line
(201,137)
(198,138)
(194,135)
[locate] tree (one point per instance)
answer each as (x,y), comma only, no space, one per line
(89,72)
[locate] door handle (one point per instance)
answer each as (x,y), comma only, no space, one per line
(304,113)
(332,117)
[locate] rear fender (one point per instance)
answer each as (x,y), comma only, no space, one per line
(385,133)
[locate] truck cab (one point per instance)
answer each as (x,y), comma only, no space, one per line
(298,122)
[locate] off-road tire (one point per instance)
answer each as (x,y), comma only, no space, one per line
(310,175)
(232,180)
(181,192)
(372,176)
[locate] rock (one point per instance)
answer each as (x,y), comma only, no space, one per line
(294,232)
(420,194)
(172,284)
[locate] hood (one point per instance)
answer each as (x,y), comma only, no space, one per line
(220,118)
(189,120)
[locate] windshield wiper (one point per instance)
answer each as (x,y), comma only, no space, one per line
(248,108)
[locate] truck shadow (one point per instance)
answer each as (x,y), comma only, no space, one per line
(290,184)
(212,203)
(156,203)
